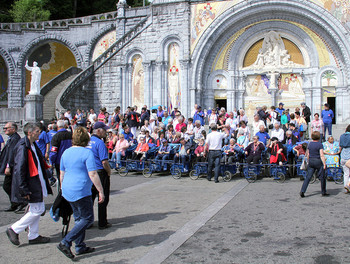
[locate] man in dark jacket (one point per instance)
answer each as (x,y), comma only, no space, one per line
(61,141)
(306,113)
(6,162)
(31,183)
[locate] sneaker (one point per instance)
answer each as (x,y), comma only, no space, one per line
(13,236)
(39,240)
(20,209)
(65,250)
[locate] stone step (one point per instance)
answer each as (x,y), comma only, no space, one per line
(49,105)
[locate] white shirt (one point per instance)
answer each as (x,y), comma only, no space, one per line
(214,140)
(41,176)
(92,118)
(256,126)
(278,134)
(232,123)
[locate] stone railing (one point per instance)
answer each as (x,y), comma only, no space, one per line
(58,24)
(99,62)
(58,79)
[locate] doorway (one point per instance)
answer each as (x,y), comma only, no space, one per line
(332,103)
(221,103)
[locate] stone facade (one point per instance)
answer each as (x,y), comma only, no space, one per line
(211,41)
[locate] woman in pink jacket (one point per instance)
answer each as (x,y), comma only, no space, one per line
(119,149)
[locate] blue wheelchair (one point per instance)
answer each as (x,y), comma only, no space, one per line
(335,174)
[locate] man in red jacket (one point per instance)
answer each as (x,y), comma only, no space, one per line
(31,183)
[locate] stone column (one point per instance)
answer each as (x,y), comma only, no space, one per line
(273,96)
(342,104)
(165,83)
(184,86)
(157,84)
(34,107)
(124,73)
(148,91)
(308,97)
(121,20)
(316,100)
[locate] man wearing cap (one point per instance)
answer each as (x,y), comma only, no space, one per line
(327,116)
(280,108)
(199,115)
(100,152)
(214,144)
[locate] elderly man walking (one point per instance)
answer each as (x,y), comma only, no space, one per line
(214,144)
(100,152)
(6,163)
(31,183)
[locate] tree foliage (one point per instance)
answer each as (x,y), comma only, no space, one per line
(29,11)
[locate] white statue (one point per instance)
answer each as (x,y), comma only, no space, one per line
(36,77)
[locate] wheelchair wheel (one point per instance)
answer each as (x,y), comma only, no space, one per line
(338,178)
(227,176)
(176,173)
(252,177)
(193,175)
(147,172)
(281,177)
(123,172)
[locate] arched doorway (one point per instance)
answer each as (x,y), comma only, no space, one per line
(53,58)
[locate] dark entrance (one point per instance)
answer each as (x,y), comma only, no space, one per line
(221,103)
(332,103)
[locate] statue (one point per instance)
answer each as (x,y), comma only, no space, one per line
(272,54)
(36,77)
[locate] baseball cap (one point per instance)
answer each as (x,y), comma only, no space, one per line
(100,124)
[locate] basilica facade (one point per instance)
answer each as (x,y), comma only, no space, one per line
(235,54)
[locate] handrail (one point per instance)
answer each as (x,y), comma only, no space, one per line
(81,78)
(58,79)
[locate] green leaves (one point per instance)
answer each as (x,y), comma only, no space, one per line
(29,11)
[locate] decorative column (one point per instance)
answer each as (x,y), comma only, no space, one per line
(157,85)
(121,20)
(184,86)
(342,104)
(273,96)
(165,84)
(148,84)
(34,107)
(124,73)
(316,100)
(231,104)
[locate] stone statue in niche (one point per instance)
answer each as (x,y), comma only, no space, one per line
(36,77)
(273,53)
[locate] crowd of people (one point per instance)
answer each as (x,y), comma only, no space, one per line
(84,142)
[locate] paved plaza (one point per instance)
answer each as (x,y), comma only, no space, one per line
(163,220)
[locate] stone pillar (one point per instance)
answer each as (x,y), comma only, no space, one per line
(157,84)
(308,98)
(124,83)
(34,107)
(165,83)
(184,86)
(342,104)
(148,84)
(120,21)
(316,100)
(273,96)
(230,100)
(240,99)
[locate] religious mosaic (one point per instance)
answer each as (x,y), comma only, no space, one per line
(103,44)
(174,88)
(138,82)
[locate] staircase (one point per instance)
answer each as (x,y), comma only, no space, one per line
(52,89)
(49,106)
(85,75)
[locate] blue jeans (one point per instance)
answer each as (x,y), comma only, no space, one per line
(329,127)
(162,157)
(83,217)
(214,161)
(315,164)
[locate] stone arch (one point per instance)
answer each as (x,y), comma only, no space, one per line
(42,40)
(286,30)
(318,82)
(9,61)
(245,14)
(92,44)
(165,46)
(131,53)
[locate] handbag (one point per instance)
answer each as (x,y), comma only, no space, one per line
(304,164)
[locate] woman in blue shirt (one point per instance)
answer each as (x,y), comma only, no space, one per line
(78,173)
(317,162)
